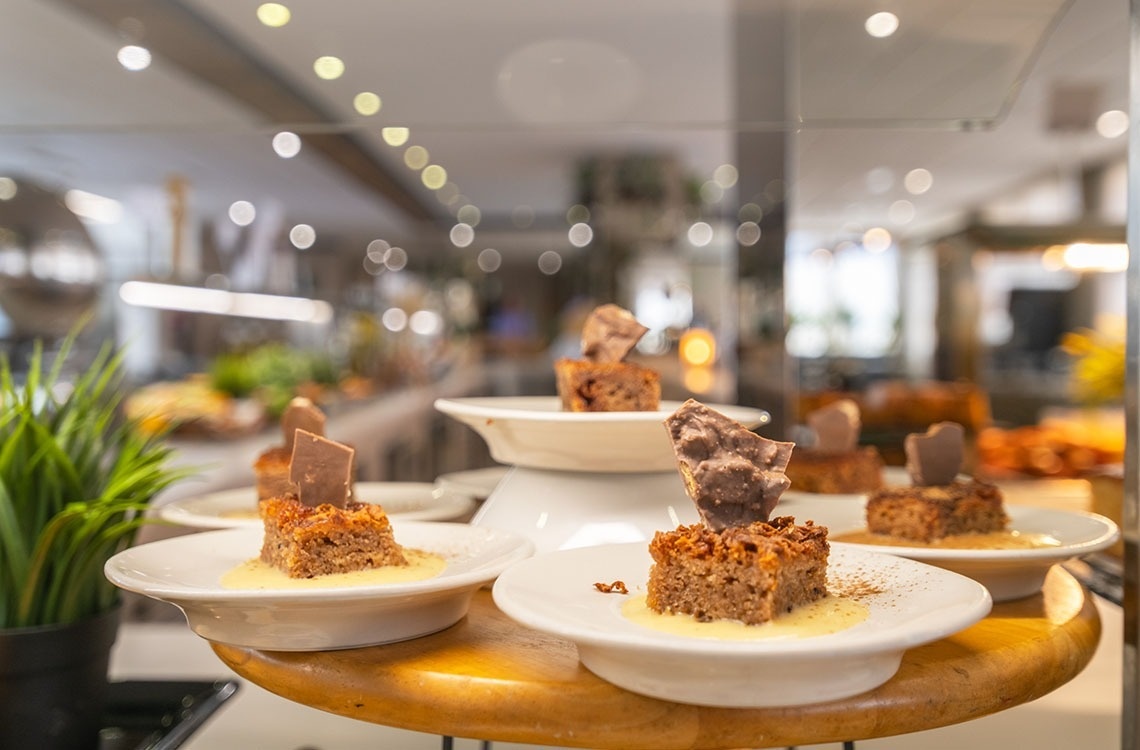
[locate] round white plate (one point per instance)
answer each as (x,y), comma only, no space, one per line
(909,604)
(185,571)
(478,483)
(236,508)
(534,431)
(1007,573)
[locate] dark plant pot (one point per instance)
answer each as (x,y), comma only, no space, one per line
(53,683)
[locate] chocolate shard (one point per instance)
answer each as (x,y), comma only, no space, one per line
(322,470)
(732,475)
(610,333)
(301,414)
(936,457)
(836,426)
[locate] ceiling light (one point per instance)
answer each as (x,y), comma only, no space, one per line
(273,15)
(221,302)
(882,24)
(580,234)
(394,319)
(395,136)
(1112,124)
(550,263)
(876,240)
(470,215)
(302,236)
(748,233)
(918,181)
(462,235)
(93,207)
(416,157)
(242,213)
(750,212)
(725,175)
(134,57)
(434,176)
(489,260)
(1088,256)
(700,233)
(286,144)
(396,259)
(328,67)
(366,103)
(901,212)
(377,249)
(426,322)
(577,214)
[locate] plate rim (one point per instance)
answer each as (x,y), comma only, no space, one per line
(115,570)
(492,407)
(176,511)
(1108,536)
(967,612)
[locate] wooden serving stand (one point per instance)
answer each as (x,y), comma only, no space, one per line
(489,678)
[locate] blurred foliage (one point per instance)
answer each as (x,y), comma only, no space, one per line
(272,374)
(1098,370)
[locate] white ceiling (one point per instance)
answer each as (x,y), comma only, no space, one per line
(509,96)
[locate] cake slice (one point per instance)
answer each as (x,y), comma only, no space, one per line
(735,564)
(939,503)
(318,530)
(602,380)
(606,386)
(835,463)
(750,573)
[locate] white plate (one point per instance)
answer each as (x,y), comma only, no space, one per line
(533,431)
(1007,573)
(236,508)
(478,483)
(914,604)
(185,571)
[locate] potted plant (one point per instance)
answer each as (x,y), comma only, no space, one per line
(76,478)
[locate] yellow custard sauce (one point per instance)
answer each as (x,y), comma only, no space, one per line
(830,614)
(990,541)
(255,574)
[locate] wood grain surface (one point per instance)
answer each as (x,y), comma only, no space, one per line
(488,678)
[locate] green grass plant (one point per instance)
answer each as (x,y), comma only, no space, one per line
(76,478)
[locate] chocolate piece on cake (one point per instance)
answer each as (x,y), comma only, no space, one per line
(936,457)
(610,333)
(320,531)
(836,426)
(322,470)
(733,475)
(301,414)
(602,380)
(271,469)
(834,463)
(750,573)
(928,511)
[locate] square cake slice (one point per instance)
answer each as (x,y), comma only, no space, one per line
(932,512)
(586,386)
(304,541)
(750,573)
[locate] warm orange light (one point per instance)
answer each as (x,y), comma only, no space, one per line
(697,347)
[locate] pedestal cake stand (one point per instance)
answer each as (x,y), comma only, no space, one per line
(581,479)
